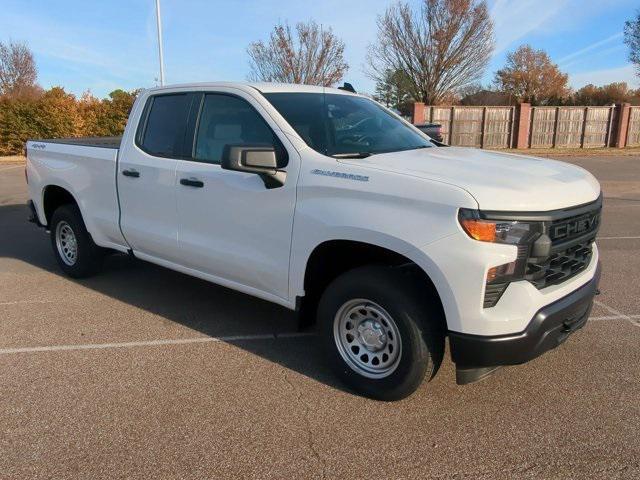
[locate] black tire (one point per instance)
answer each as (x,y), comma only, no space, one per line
(88,257)
(416,317)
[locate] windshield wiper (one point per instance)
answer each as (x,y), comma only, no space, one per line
(419,147)
(352,155)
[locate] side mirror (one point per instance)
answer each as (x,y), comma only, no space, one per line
(259,159)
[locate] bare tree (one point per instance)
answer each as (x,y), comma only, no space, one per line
(530,76)
(442,46)
(17,68)
(314,57)
(632,39)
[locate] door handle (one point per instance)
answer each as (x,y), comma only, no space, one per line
(131,173)
(192,182)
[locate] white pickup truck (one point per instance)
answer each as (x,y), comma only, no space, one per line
(325,202)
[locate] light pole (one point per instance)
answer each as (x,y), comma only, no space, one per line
(159,22)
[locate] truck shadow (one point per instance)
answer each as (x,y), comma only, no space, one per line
(201,306)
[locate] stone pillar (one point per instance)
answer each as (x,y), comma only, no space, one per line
(523,119)
(418,113)
(623,110)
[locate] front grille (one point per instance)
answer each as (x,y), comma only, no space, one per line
(572,240)
(560,266)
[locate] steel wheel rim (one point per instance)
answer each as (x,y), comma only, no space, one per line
(367,338)
(66,243)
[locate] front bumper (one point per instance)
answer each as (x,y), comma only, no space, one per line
(477,355)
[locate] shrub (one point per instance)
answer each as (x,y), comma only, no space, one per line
(55,114)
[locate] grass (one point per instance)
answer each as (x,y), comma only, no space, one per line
(12,159)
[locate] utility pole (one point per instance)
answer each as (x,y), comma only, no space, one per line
(159,22)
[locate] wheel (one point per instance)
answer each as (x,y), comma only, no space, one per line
(75,251)
(381,335)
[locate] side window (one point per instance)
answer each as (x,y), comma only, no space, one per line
(164,129)
(227,120)
(306,113)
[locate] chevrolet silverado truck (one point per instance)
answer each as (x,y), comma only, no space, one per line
(327,203)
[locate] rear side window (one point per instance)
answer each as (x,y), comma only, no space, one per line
(227,120)
(164,129)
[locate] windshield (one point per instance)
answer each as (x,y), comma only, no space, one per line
(345,125)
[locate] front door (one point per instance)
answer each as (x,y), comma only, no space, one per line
(231,226)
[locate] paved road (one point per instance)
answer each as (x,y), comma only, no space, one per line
(141,372)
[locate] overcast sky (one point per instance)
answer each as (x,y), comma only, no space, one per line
(102,46)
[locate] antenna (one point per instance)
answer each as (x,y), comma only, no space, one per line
(347,87)
(159,23)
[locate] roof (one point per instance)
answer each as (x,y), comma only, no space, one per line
(264,87)
(269,87)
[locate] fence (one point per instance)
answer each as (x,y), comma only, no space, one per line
(571,127)
(482,127)
(633,133)
(534,127)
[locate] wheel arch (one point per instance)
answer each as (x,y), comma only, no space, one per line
(53,196)
(331,258)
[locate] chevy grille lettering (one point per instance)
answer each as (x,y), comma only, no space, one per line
(575,227)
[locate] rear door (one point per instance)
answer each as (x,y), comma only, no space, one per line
(147,173)
(232,226)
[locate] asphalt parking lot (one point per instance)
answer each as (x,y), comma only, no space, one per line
(143,372)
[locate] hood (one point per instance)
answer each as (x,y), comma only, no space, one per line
(498,181)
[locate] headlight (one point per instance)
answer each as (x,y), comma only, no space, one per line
(497,231)
(517,233)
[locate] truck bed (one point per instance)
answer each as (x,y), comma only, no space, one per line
(86,167)
(102,142)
